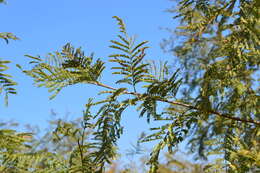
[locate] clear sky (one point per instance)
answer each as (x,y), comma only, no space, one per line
(44,26)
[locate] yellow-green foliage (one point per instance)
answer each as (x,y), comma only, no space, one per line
(6,83)
(213,103)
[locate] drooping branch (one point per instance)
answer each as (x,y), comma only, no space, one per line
(228,116)
(210,111)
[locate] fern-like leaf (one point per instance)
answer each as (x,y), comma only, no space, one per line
(59,70)
(130,58)
(6,83)
(108,131)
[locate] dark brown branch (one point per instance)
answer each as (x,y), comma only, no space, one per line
(210,111)
(183,105)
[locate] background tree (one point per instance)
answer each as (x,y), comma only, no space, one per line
(64,147)
(218,48)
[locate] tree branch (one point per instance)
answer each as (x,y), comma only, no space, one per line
(228,116)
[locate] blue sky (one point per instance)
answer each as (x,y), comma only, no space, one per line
(44,26)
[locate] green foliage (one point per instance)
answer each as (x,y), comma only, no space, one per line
(200,119)
(15,155)
(214,105)
(219,50)
(6,83)
(12,143)
(71,146)
(64,148)
(130,60)
(7,36)
(108,132)
(66,68)
(71,67)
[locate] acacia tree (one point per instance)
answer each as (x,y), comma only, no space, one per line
(214,117)
(219,113)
